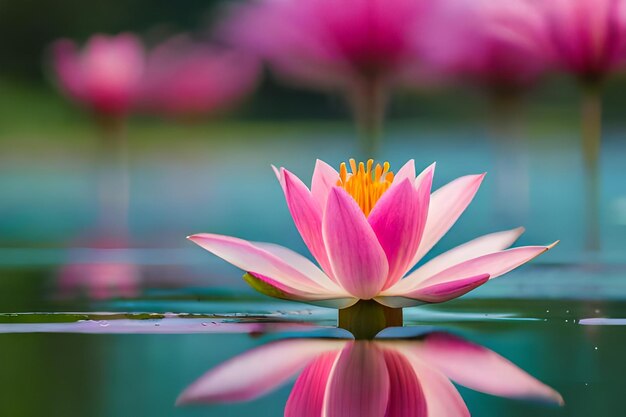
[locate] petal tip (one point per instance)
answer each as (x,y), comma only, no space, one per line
(552,245)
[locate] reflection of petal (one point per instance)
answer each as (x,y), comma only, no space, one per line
(406,397)
(307,395)
(100,280)
(481,369)
(255,372)
(359,384)
(442,398)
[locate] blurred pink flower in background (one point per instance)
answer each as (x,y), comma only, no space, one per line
(329,44)
(497,44)
(362,48)
(186,78)
(105,75)
(392,378)
(587,37)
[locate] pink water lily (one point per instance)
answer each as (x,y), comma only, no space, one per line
(587,37)
(329,44)
(367,229)
(105,75)
(191,78)
(497,44)
(391,378)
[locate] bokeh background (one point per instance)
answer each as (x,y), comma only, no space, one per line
(213,174)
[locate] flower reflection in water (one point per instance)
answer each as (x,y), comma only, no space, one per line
(389,378)
(101,269)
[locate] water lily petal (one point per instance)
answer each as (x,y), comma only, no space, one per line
(272,288)
(483,245)
(265,368)
(251,258)
(429,170)
(307,396)
(446,206)
(302,264)
(494,264)
(398,221)
(359,384)
(307,216)
(406,397)
(436,293)
(324,178)
(279,176)
(407,171)
(358,261)
(481,369)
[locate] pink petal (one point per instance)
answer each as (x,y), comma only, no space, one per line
(436,293)
(279,176)
(307,215)
(493,264)
(428,171)
(481,369)
(442,398)
(358,261)
(308,393)
(398,220)
(359,385)
(67,67)
(302,264)
(407,171)
(250,258)
(325,177)
(256,372)
(480,246)
(406,397)
(446,206)
(276,289)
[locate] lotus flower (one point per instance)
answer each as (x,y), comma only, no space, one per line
(323,43)
(587,37)
(497,44)
(368,378)
(361,48)
(367,229)
(185,78)
(105,75)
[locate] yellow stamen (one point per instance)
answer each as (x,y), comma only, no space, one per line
(366,183)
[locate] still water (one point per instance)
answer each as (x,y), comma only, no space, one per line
(514,356)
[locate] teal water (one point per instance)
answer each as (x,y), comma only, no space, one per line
(135,356)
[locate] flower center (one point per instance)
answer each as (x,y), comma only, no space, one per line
(366,183)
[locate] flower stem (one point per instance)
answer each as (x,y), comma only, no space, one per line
(591,128)
(369,99)
(367,318)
